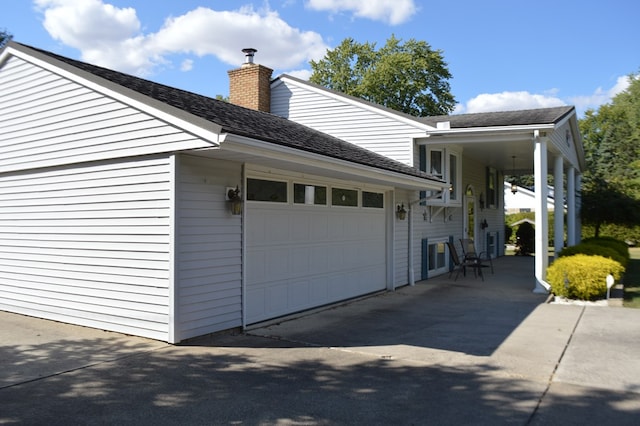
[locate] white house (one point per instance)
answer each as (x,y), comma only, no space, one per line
(471,152)
(117,196)
(524,200)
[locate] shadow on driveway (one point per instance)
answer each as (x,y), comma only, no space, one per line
(467,315)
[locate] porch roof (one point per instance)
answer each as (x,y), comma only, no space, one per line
(502,118)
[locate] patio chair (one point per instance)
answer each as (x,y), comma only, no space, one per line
(461,264)
(469,252)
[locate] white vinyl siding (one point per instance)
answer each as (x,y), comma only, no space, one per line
(348,120)
(209,241)
(88,245)
(46,120)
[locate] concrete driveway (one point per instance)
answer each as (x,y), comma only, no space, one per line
(442,352)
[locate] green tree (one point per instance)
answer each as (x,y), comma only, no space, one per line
(410,77)
(611,183)
(5,37)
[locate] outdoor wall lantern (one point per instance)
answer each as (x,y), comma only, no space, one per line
(401,213)
(484,225)
(235,200)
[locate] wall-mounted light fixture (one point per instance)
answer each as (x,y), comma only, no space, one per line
(401,213)
(235,200)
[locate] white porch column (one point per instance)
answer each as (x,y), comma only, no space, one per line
(571,207)
(558,207)
(542,221)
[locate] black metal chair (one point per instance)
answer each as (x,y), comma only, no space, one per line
(461,264)
(469,251)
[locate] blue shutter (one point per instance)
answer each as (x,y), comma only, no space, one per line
(423,167)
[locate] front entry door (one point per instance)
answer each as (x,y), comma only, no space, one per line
(469,230)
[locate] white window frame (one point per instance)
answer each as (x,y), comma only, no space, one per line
(443,268)
(446,154)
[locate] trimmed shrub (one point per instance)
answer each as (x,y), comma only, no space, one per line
(582,276)
(525,239)
(605,247)
(618,245)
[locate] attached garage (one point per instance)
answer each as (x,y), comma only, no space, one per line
(113,211)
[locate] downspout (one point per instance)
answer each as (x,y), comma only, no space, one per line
(243,245)
(411,274)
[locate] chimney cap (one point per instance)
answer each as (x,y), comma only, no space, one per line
(248,54)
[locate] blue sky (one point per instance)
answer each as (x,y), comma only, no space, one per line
(503,54)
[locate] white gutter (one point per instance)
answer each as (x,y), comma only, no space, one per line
(249,146)
(526,128)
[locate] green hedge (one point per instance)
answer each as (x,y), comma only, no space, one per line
(582,276)
(618,245)
(605,247)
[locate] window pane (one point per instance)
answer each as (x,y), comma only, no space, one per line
(266,190)
(436,163)
(372,199)
(309,194)
(437,257)
(344,197)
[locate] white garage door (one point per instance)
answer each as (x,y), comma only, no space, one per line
(301,256)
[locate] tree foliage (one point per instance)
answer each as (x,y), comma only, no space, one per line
(611,183)
(410,77)
(5,37)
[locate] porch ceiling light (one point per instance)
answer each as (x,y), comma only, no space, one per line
(514,186)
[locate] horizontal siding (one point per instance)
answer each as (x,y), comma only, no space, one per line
(401,241)
(209,248)
(358,125)
(88,245)
(46,120)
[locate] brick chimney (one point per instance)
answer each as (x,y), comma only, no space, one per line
(249,85)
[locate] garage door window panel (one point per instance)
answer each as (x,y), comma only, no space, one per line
(372,200)
(344,197)
(309,194)
(266,190)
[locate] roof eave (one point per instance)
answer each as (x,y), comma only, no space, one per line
(287,156)
(529,128)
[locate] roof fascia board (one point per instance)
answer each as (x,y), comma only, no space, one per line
(575,130)
(256,147)
(197,126)
(360,103)
(527,128)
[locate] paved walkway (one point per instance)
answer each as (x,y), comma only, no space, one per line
(442,352)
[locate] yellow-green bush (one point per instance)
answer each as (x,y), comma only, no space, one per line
(581,276)
(592,249)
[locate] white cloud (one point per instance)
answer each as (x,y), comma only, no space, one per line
(600,96)
(111,37)
(509,101)
(394,12)
(186,65)
(301,74)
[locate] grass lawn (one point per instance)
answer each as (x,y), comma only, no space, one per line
(632,280)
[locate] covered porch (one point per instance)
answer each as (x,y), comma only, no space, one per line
(538,142)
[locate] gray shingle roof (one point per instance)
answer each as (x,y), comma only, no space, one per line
(246,122)
(504,118)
